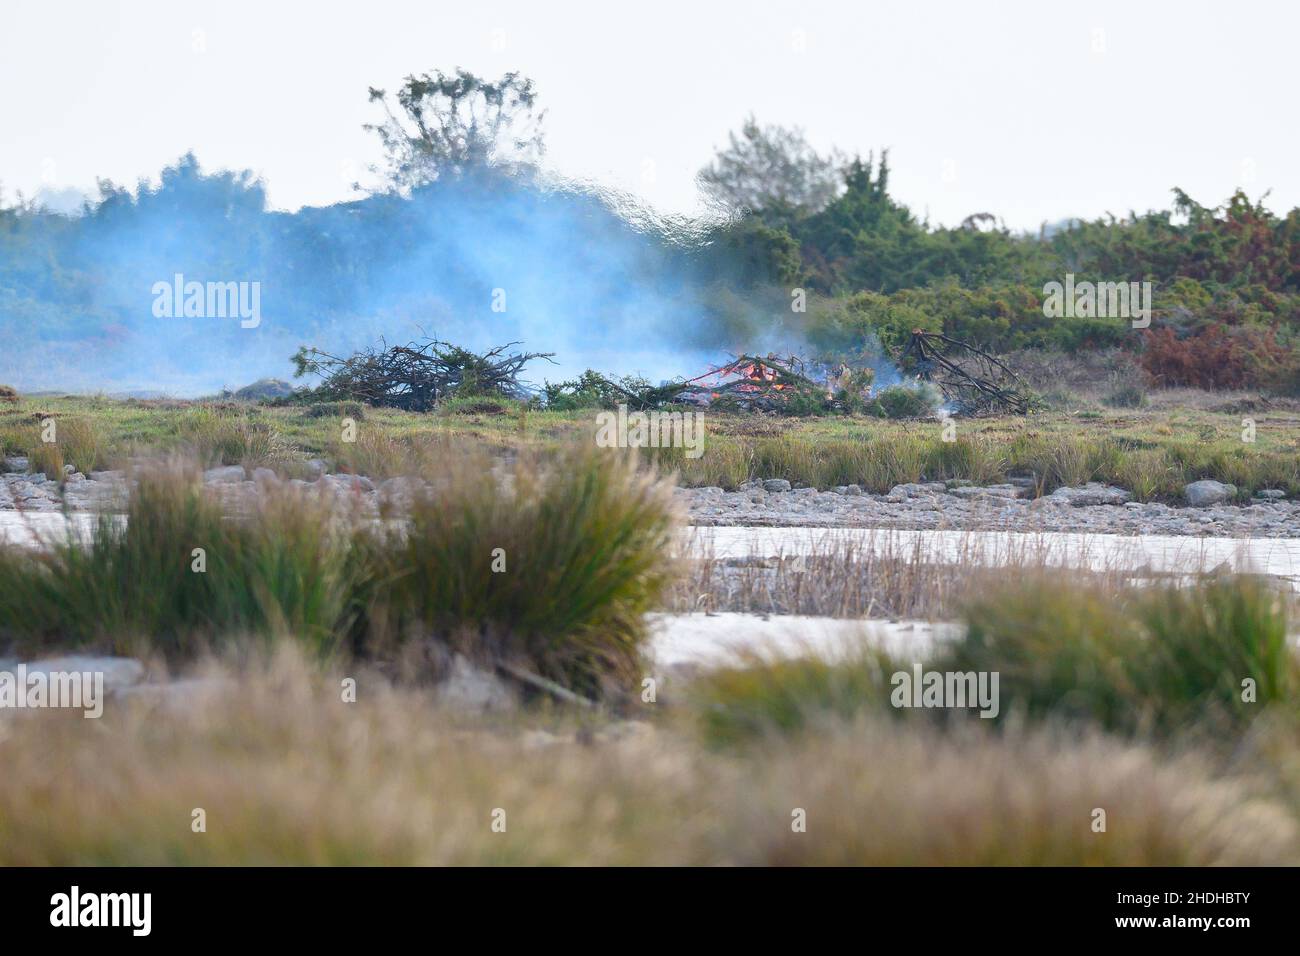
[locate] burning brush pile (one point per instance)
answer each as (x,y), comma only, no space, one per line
(769,384)
(943,374)
(774,384)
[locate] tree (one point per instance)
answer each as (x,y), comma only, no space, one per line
(449,125)
(772,171)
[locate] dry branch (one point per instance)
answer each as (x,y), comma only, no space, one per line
(414,376)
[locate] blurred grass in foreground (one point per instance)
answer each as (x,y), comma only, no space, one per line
(287,773)
(1207,659)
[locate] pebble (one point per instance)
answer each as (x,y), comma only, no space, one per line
(229,474)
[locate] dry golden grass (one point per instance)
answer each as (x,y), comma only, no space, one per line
(1153,451)
(880,794)
(46,458)
(886,573)
(288,773)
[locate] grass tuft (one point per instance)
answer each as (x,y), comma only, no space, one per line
(547,567)
(550,565)
(175,578)
(762,695)
(1158,658)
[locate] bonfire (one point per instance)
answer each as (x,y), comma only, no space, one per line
(753,383)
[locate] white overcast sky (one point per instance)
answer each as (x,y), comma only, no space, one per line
(1031,110)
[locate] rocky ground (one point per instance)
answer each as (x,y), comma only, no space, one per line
(1092,508)
(236,487)
(1009,507)
(24,492)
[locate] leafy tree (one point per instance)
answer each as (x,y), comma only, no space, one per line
(771,171)
(863,239)
(752,253)
(448,125)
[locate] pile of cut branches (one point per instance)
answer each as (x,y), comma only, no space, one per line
(414,376)
(751,383)
(593,390)
(768,383)
(972,381)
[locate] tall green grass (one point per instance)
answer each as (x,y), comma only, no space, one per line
(176,578)
(76,442)
(46,458)
(1203,660)
(878,462)
(221,435)
(1160,659)
(763,696)
(551,565)
(546,567)
(81,444)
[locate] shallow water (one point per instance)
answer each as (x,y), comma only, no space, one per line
(730,638)
(1153,554)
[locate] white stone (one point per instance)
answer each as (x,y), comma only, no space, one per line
(119,672)
(989,491)
(1202,494)
(472,689)
(230,474)
(1093,493)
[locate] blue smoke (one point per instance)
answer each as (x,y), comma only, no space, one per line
(570,270)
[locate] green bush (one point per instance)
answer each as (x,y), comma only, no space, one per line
(901,401)
(590,390)
(1161,658)
(762,697)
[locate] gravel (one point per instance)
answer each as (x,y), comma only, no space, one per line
(998,507)
(1094,507)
